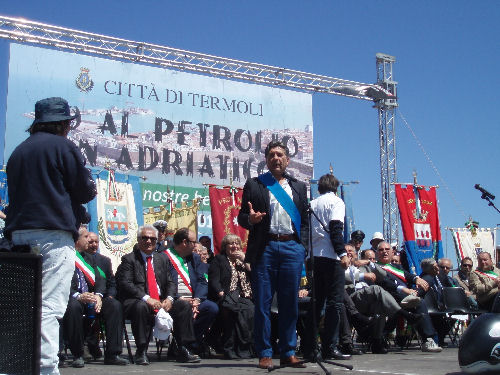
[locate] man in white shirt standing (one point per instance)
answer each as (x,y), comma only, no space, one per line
(330,261)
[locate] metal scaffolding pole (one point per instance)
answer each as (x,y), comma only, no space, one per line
(387,137)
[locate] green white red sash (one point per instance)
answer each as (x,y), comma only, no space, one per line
(393,270)
(179,266)
(86,268)
(490,274)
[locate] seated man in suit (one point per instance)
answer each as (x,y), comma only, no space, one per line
(431,273)
(188,274)
(372,300)
(462,280)
(105,269)
(402,284)
(86,298)
(484,281)
(145,285)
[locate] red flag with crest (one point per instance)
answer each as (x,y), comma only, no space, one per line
(225,204)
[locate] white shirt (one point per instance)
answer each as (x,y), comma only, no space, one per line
(327,207)
(280,220)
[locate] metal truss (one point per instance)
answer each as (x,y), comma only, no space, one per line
(24,31)
(387,137)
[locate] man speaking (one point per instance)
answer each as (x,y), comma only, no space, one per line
(274,210)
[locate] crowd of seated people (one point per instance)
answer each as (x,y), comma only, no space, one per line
(199,292)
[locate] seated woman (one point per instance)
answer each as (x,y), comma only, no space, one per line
(229,285)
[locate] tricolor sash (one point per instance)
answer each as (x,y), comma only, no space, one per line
(393,270)
(283,198)
(101,272)
(490,274)
(86,268)
(179,266)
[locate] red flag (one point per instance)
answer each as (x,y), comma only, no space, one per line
(420,222)
(225,204)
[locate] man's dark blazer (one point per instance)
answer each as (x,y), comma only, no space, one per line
(391,282)
(196,270)
(131,280)
(104,263)
(100,283)
(255,192)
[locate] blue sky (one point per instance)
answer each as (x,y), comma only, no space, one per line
(447,52)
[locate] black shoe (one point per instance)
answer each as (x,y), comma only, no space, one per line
(141,358)
(336,354)
(95,352)
(350,349)
(184,356)
(378,347)
(115,360)
(230,354)
(78,362)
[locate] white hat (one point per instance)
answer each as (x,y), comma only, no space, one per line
(377,236)
(163,325)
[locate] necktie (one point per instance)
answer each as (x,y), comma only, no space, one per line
(151,278)
(82,282)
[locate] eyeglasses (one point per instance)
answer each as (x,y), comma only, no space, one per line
(192,242)
(146,238)
(385,249)
(467,265)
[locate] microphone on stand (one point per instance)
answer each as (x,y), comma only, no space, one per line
(486,194)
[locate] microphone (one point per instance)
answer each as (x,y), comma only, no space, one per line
(486,194)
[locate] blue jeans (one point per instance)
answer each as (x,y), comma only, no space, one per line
(57,248)
(279,269)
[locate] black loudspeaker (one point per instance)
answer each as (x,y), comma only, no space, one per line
(20,313)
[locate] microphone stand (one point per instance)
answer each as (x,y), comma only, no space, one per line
(490,202)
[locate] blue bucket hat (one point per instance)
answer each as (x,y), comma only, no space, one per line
(52,110)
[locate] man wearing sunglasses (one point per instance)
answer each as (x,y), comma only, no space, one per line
(444,270)
(145,286)
(462,280)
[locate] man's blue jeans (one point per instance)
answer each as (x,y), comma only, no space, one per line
(279,269)
(57,248)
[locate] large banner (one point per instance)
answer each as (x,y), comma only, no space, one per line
(469,243)
(226,203)
(420,223)
(164,126)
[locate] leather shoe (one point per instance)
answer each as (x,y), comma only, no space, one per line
(184,356)
(141,359)
(336,354)
(350,349)
(378,347)
(266,363)
(115,360)
(292,361)
(78,362)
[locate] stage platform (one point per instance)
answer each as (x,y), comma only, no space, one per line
(407,362)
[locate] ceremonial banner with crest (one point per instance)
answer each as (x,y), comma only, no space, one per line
(116,214)
(176,217)
(420,224)
(470,243)
(225,203)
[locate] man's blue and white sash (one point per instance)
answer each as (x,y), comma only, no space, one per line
(283,198)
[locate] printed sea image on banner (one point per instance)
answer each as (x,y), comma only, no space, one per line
(168,127)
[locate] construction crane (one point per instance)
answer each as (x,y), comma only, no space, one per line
(383,93)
